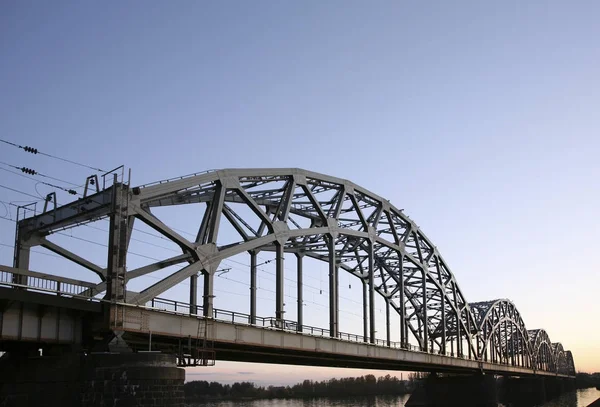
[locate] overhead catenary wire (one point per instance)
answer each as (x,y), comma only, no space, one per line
(33,150)
(70,191)
(37,198)
(31,171)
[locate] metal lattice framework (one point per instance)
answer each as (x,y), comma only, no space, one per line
(502,336)
(307,214)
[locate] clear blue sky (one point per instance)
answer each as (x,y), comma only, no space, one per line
(480,119)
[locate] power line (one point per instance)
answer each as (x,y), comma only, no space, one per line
(34,251)
(70,191)
(34,172)
(21,192)
(33,150)
(105,245)
(9,203)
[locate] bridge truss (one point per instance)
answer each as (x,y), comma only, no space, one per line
(308,215)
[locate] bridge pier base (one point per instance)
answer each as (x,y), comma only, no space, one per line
(468,391)
(95,380)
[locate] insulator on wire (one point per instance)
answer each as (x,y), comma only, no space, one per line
(28,171)
(30,150)
(72,192)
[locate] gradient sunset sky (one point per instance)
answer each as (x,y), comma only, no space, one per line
(480,119)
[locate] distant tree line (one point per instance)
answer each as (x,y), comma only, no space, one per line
(585,380)
(346,387)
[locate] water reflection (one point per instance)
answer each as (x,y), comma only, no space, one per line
(581,398)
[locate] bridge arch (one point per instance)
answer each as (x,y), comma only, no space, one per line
(502,336)
(560,357)
(325,218)
(569,364)
(542,350)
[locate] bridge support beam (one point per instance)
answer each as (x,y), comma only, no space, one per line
(388,332)
(468,391)
(21,260)
(371,261)
(333,289)
(403,324)
(194,294)
(365,311)
(95,380)
(208,298)
(300,288)
(253,287)
(279,306)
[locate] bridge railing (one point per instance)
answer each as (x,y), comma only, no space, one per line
(45,283)
(273,323)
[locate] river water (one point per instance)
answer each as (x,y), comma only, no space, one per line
(580,398)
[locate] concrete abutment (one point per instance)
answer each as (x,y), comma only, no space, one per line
(94,380)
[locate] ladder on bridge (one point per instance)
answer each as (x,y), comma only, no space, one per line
(199,351)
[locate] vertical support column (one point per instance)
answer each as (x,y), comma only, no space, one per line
(388,333)
(299,294)
(469,337)
(333,290)
(519,356)
(459,351)
(253,287)
(365,311)
(512,347)
(337,295)
(424,304)
(403,326)
(371,293)
(194,294)
(209,281)
(117,251)
(279,311)
(505,356)
(443,295)
(21,259)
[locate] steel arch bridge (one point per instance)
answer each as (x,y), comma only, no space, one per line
(310,215)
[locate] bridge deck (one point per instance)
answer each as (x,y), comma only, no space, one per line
(235,341)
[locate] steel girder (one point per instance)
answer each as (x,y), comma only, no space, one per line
(309,214)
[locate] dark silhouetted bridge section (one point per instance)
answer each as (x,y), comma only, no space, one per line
(284,211)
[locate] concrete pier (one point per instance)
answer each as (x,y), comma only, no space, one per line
(95,380)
